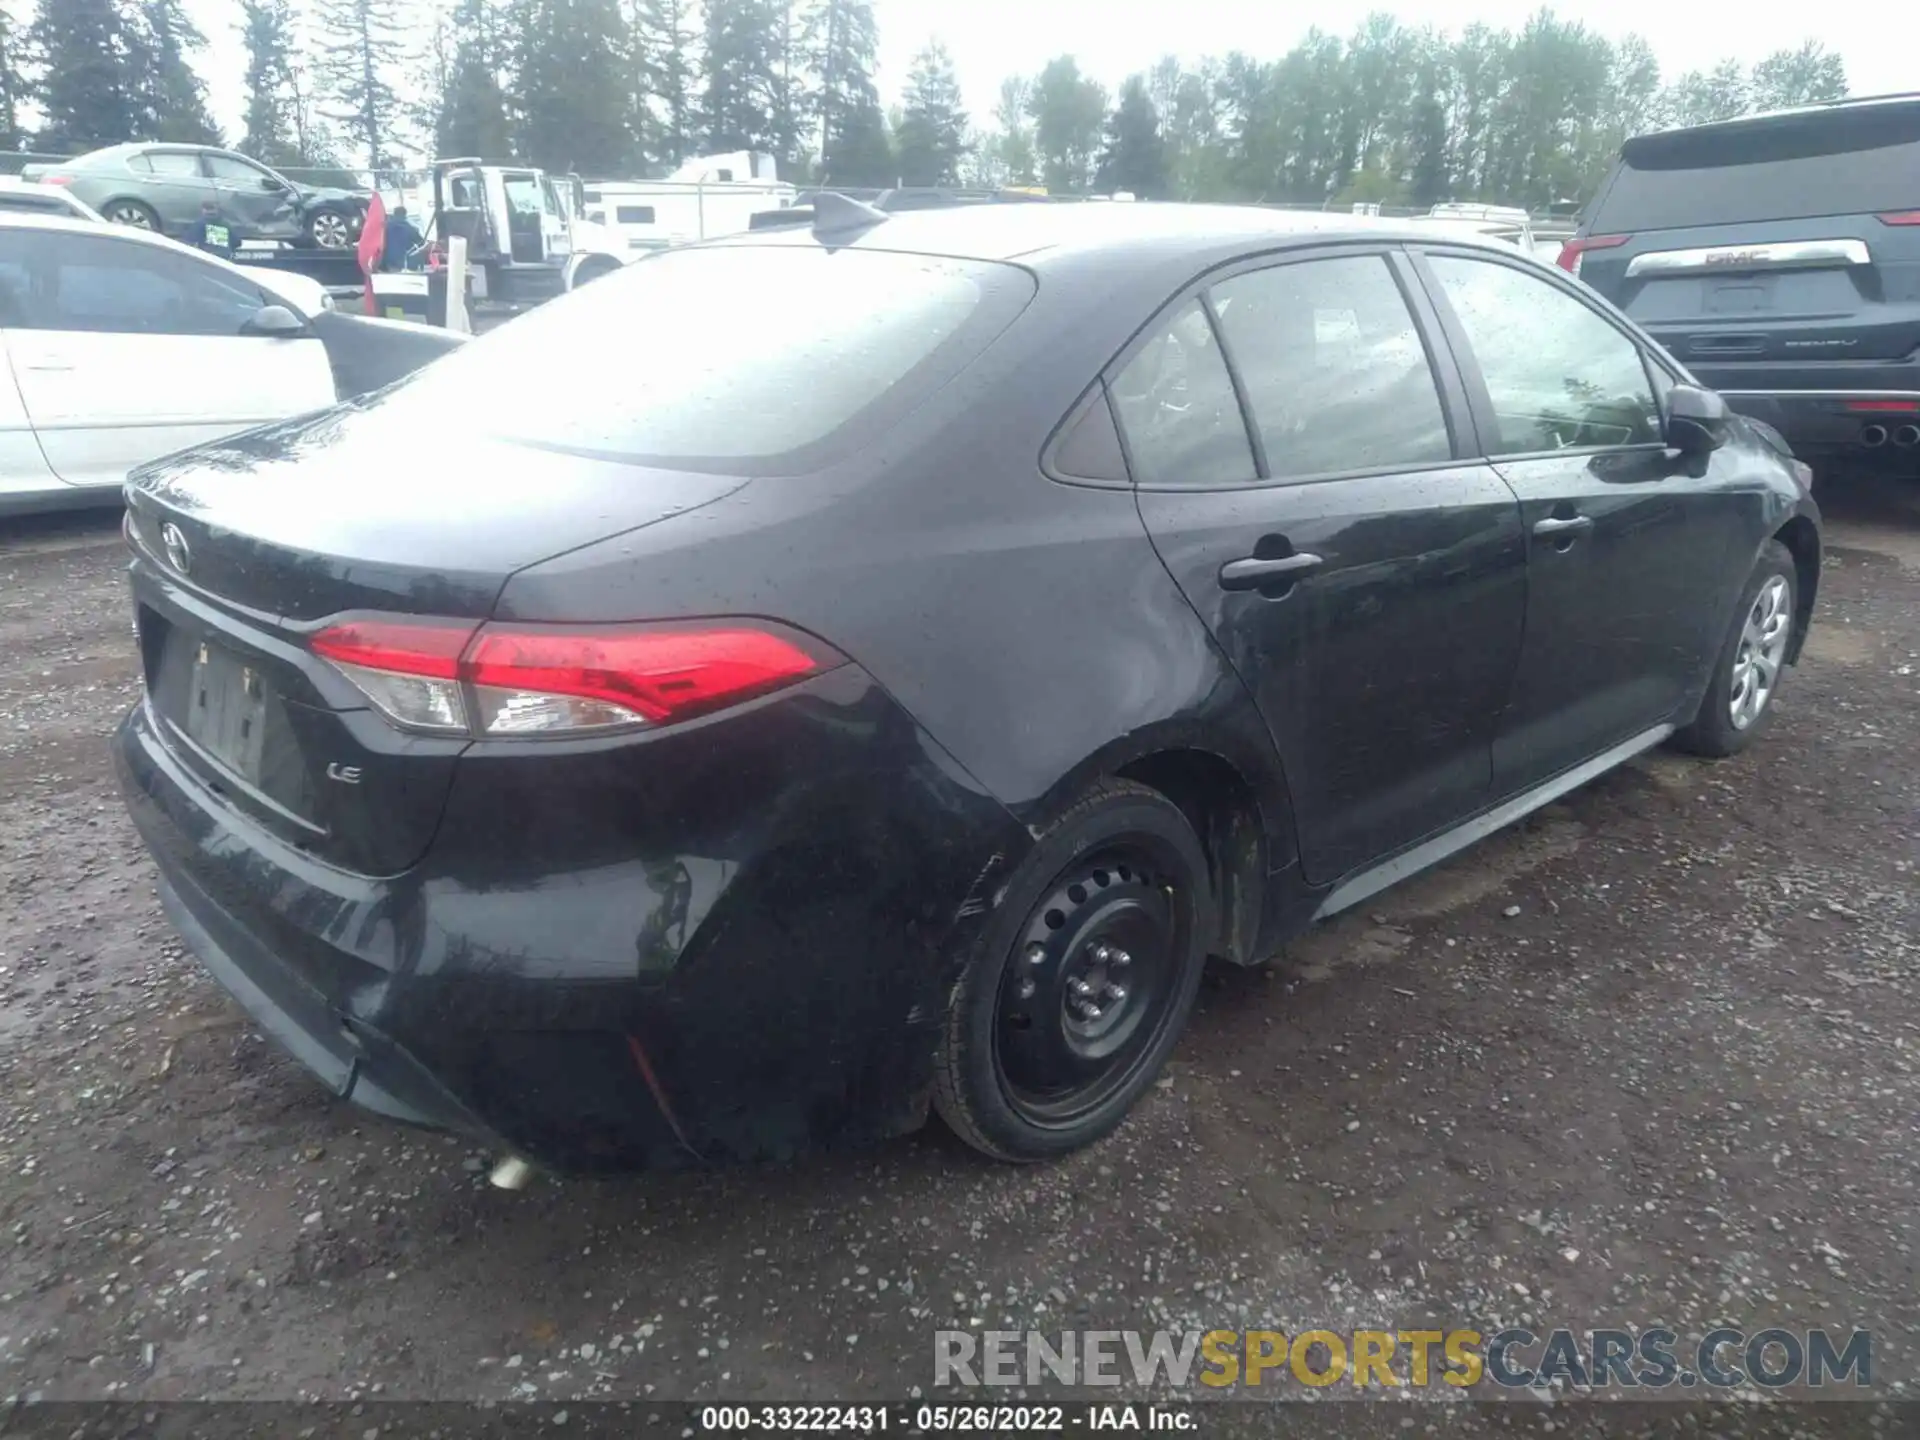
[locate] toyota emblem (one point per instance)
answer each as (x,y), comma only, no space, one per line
(175,544)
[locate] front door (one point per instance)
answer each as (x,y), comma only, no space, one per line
(1629,545)
(255,202)
(1366,581)
(126,350)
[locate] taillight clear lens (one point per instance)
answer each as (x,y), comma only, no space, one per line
(513,680)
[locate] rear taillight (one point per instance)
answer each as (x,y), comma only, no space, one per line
(1571,252)
(1883,407)
(1901,217)
(56,180)
(452,678)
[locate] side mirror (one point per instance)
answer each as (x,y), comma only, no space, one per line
(1697,420)
(267,182)
(274,322)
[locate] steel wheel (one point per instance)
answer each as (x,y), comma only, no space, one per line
(1087,993)
(131,213)
(1761,652)
(330,230)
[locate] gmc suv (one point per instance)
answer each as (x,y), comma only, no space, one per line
(1778,258)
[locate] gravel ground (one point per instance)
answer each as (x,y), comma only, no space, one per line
(1649,1058)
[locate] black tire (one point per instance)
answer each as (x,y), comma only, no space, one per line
(1121,871)
(1714,731)
(135,214)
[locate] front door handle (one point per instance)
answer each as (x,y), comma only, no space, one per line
(1252,572)
(1569,525)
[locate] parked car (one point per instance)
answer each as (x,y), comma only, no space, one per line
(30,195)
(1777,257)
(166,188)
(746,747)
(123,346)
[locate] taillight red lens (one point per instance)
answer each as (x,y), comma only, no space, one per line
(502,679)
(1897,407)
(1571,252)
(56,179)
(1901,217)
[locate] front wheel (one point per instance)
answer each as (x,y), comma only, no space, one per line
(330,229)
(1081,983)
(1752,661)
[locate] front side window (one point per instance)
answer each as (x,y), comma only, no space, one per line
(1335,374)
(102,285)
(1559,376)
(1175,403)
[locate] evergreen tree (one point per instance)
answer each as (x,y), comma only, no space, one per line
(269,134)
(472,118)
(736,109)
(1067,110)
(933,126)
(792,99)
(13,80)
(664,63)
(86,58)
(841,39)
(1135,157)
(574,89)
(361,49)
(1013,141)
(171,99)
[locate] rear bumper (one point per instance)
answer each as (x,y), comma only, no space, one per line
(1825,409)
(773,984)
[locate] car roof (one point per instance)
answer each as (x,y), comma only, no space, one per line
(1654,141)
(1049,235)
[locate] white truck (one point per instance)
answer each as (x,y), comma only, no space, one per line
(528,236)
(708,197)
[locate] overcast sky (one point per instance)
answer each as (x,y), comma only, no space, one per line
(1112,38)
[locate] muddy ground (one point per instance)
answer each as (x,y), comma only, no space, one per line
(1649,1058)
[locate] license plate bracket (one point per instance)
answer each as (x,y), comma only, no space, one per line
(227,709)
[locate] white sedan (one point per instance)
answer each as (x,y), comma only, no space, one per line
(125,346)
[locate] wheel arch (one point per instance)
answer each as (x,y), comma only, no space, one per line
(591,266)
(1802,539)
(1235,798)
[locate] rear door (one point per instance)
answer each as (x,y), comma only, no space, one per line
(1314,504)
(125,350)
(175,185)
(1784,243)
(1631,548)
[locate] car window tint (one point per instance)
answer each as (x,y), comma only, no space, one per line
(1334,370)
(140,164)
(173,163)
(845,342)
(226,167)
(1175,403)
(634,214)
(1559,375)
(103,285)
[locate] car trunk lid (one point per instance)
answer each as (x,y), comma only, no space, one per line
(244,550)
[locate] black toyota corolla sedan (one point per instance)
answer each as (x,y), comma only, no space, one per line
(844,671)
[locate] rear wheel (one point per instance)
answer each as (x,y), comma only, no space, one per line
(133,214)
(1752,661)
(1083,981)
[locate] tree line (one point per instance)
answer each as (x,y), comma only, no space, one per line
(1391,113)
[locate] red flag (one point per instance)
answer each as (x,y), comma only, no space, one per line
(373,240)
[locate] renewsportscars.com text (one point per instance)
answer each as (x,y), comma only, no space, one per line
(1654,1358)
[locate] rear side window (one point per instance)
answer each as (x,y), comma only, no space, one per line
(1559,376)
(172,163)
(760,359)
(634,214)
(1834,162)
(1334,370)
(1175,403)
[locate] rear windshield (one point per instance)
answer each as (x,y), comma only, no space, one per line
(1836,162)
(749,359)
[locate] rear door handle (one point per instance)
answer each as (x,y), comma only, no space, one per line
(1568,525)
(1251,573)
